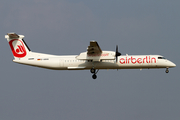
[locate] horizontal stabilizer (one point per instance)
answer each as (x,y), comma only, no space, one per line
(13,35)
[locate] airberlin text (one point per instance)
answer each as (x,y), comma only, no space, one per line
(139,60)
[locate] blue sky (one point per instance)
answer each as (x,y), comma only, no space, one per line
(66,27)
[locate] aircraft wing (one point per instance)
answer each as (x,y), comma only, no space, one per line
(95,53)
(93,48)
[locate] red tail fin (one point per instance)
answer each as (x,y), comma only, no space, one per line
(17,45)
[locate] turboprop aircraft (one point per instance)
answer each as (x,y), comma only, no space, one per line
(93,59)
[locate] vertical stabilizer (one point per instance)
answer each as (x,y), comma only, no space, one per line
(17,45)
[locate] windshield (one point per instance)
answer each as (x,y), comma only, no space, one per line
(161,58)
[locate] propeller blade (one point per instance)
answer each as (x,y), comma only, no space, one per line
(117,53)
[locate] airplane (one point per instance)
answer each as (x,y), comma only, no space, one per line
(93,59)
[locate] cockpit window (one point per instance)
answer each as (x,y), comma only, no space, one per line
(161,58)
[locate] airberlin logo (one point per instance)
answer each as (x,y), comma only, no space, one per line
(139,60)
(17,48)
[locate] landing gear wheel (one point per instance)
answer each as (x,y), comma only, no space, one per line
(167,71)
(94,76)
(93,70)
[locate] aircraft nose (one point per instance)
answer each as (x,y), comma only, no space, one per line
(172,64)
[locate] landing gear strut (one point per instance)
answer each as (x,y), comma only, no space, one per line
(167,70)
(94,76)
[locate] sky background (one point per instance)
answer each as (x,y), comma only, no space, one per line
(65,27)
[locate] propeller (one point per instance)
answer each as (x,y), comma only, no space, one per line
(117,53)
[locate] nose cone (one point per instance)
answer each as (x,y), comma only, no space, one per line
(171,64)
(174,65)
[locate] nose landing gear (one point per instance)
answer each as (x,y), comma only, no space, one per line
(167,70)
(94,72)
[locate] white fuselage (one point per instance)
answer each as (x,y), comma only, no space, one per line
(72,63)
(94,58)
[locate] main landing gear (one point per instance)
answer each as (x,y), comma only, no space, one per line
(167,70)
(94,72)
